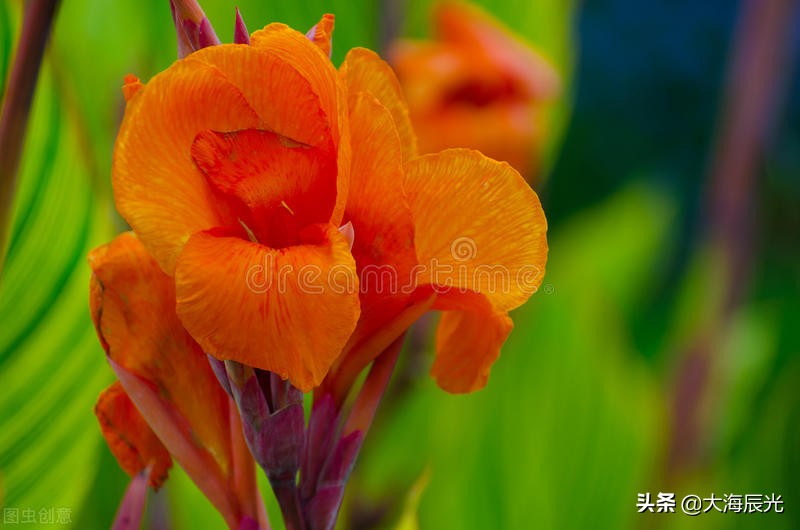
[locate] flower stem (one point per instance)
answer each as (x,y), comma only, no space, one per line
(244,476)
(38,20)
(289,500)
(366,404)
(131,509)
(753,95)
(339,383)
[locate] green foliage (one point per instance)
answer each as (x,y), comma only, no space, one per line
(7,37)
(51,368)
(356,21)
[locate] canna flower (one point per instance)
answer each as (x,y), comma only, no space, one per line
(236,158)
(167,400)
(286,233)
(256,158)
(477,85)
(445,224)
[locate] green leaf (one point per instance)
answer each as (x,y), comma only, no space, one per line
(9,15)
(410,518)
(51,366)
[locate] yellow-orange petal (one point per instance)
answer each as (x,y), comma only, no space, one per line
(130,438)
(476,33)
(157,188)
(364,71)
(289,96)
(507,131)
(131,86)
(288,311)
(428,71)
(134,308)
(307,58)
(478,226)
(343,157)
(468,342)
(381,218)
(377,206)
(285,97)
(322,33)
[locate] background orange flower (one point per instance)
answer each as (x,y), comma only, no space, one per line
(476,84)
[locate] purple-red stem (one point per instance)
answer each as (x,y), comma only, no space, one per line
(754,91)
(366,404)
(244,477)
(131,509)
(36,26)
(288,497)
(752,97)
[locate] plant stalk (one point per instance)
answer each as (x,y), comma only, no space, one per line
(36,26)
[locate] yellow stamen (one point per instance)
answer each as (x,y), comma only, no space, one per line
(283,203)
(250,233)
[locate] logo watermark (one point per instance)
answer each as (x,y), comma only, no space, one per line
(694,505)
(50,515)
(462,273)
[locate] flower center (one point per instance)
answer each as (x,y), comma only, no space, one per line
(274,187)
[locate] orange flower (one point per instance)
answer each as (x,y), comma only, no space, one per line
(477,85)
(129,437)
(271,187)
(167,399)
(232,166)
(459,231)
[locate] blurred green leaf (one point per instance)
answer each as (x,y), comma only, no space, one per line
(410,517)
(749,352)
(8,28)
(188,507)
(51,366)
(356,21)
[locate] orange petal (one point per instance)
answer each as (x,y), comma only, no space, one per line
(285,185)
(288,311)
(468,342)
(462,99)
(134,308)
(157,188)
(429,70)
(343,162)
(479,34)
(171,428)
(478,227)
(303,55)
(129,437)
(131,86)
(287,99)
(320,76)
(384,233)
(506,131)
(322,33)
(364,71)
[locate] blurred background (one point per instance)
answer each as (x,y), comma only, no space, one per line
(662,353)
